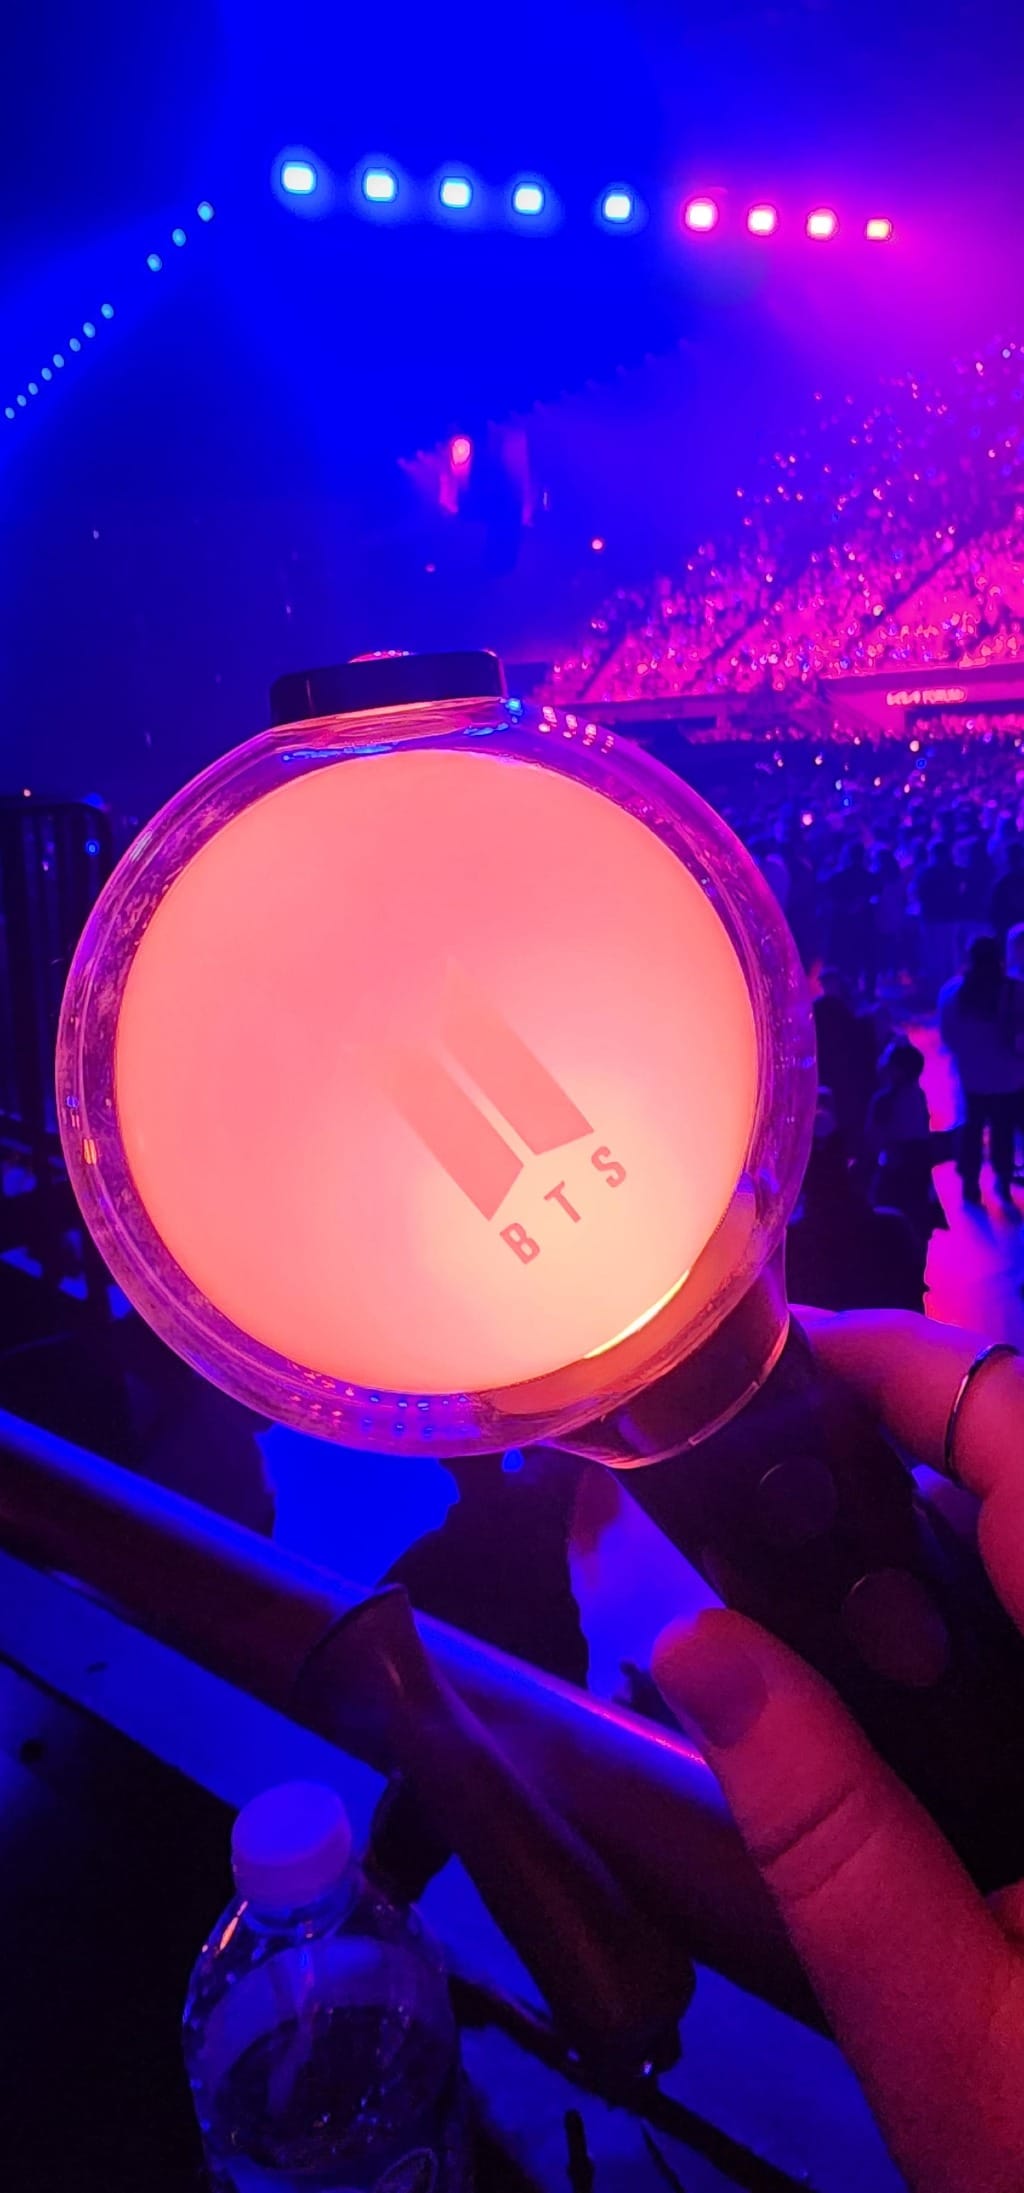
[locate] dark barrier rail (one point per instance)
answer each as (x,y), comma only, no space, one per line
(648,1816)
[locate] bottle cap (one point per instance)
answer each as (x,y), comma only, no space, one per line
(290,1845)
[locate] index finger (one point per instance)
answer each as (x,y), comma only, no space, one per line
(907,1371)
(921,1988)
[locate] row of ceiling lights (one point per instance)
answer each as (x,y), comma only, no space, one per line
(618,207)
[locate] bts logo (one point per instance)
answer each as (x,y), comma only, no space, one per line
(540,1113)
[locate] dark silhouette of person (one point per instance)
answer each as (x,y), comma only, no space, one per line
(890,911)
(898,1139)
(976,881)
(849,894)
(846,1057)
(976,1025)
(841,1252)
(939,898)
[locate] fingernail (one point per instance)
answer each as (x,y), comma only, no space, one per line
(711,1683)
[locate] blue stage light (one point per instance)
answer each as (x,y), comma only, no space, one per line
(178,237)
(88,328)
(23,401)
(154,262)
(299,178)
(9,411)
(618,205)
(47,373)
(456,193)
(528,198)
(106,312)
(380,187)
(74,344)
(33,388)
(204,210)
(58,359)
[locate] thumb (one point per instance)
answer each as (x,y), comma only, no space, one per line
(923,1991)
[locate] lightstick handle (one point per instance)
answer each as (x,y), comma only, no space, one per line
(800,1514)
(616,1978)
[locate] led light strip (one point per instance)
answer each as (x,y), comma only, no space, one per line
(91,328)
(378,187)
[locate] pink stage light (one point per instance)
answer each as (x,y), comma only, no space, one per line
(700,214)
(879,230)
(460,450)
(822,223)
(762,220)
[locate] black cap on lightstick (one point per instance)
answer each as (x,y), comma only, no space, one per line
(390,679)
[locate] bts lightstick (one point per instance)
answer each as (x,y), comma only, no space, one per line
(438,1073)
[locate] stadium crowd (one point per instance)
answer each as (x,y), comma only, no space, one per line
(892,531)
(889,535)
(900,865)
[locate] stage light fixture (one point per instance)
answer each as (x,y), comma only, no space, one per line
(460,451)
(822,223)
(23,401)
(618,206)
(380,187)
(33,388)
(528,198)
(106,312)
(456,192)
(9,411)
(58,359)
(74,343)
(154,262)
(762,220)
(700,215)
(47,373)
(204,210)
(878,230)
(88,329)
(299,178)
(178,237)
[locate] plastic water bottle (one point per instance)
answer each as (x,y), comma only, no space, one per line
(320,2043)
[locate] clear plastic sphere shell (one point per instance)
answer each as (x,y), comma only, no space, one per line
(443,1077)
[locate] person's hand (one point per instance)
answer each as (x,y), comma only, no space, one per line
(922,1980)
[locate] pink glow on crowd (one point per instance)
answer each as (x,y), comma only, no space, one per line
(887,534)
